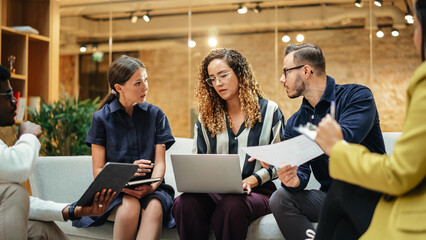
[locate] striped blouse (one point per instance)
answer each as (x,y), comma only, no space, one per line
(270,130)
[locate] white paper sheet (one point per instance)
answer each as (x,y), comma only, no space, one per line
(294,152)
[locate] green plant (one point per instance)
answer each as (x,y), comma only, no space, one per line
(65,124)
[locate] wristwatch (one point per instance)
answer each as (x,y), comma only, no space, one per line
(71,212)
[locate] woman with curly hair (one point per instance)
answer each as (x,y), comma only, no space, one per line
(232,114)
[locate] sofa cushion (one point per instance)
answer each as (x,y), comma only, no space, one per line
(65,178)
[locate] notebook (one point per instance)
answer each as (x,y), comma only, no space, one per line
(133,184)
(114,176)
(207,173)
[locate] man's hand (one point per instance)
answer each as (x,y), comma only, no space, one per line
(100,204)
(288,176)
(139,192)
(29,127)
(145,166)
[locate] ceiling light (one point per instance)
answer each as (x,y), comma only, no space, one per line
(146,17)
(133,18)
(380,34)
(212,42)
(409,18)
(94,47)
(83,48)
(300,37)
(257,9)
(242,9)
(378,3)
(286,38)
(395,33)
(191,43)
(358,3)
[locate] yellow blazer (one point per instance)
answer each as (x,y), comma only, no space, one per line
(401,175)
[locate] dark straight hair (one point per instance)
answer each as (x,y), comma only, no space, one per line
(420,7)
(307,53)
(119,72)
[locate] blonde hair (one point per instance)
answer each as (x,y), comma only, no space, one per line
(211,106)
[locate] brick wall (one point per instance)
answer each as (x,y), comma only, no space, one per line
(347,55)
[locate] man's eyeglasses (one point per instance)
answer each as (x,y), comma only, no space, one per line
(8,94)
(285,70)
(221,78)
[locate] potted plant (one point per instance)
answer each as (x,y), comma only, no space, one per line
(65,124)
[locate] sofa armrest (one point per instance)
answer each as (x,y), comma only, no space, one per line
(61,179)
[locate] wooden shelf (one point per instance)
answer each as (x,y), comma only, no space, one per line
(11,31)
(18,76)
(33,64)
(35,37)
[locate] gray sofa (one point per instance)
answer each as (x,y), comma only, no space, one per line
(64,179)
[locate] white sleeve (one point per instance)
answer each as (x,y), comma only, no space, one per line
(42,210)
(17,162)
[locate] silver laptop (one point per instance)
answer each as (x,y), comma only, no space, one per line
(207,173)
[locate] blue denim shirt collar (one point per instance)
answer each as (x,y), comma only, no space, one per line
(115,105)
(328,96)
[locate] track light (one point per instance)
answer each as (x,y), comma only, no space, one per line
(83,48)
(133,18)
(380,34)
(94,47)
(409,18)
(395,33)
(212,42)
(300,37)
(257,9)
(146,17)
(286,38)
(242,9)
(378,3)
(358,3)
(191,43)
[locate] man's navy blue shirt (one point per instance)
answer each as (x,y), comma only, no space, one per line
(357,115)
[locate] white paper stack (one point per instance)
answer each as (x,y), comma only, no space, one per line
(27,29)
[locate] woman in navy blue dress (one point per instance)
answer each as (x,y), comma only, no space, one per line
(129,130)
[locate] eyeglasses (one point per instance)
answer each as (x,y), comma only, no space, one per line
(8,94)
(285,70)
(221,78)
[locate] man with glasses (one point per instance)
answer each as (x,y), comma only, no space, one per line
(354,108)
(16,165)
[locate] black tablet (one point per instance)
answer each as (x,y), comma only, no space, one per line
(114,176)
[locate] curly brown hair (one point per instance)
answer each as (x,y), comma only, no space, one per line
(211,106)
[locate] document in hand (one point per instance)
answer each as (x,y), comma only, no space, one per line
(294,152)
(114,176)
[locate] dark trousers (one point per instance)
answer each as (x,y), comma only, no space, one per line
(228,214)
(294,211)
(347,211)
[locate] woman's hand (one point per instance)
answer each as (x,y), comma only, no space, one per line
(264,164)
(139,192)
(250,183)
(328,133)
(145,166)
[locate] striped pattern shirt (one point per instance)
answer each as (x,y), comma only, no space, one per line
(270,130)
